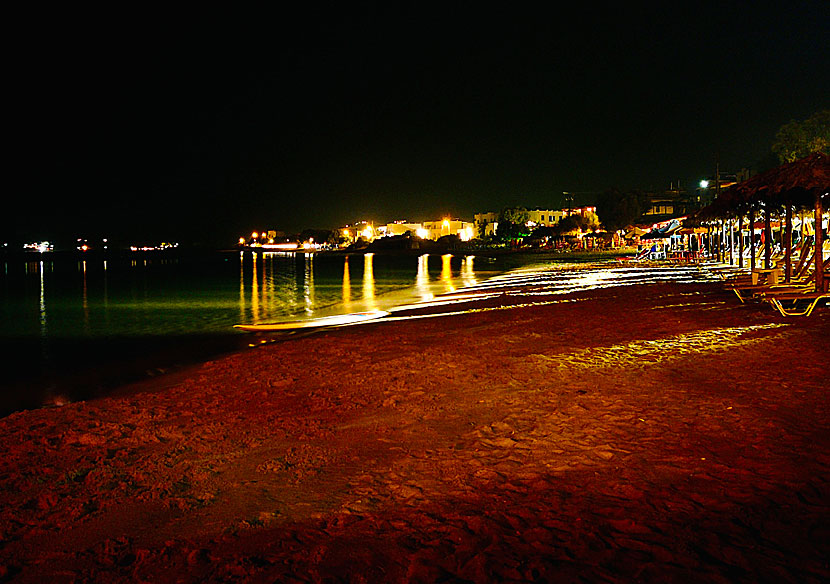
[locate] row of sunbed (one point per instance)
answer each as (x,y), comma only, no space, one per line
(797,296)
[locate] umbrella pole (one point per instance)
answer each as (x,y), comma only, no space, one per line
(751,239)
(819,242)
(723,241)
(731,242)
(727,236)
(788,242)
(710,242)
(767,238)
(740,242)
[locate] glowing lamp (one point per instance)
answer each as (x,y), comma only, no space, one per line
(704,184)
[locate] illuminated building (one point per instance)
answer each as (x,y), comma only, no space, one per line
(437,229)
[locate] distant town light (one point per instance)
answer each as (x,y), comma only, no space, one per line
(704,184)
(41,247)
(280,246)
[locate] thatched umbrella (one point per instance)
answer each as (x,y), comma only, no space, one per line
(803,183)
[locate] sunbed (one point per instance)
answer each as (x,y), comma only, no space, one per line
(796,304)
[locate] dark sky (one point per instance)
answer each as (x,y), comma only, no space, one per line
(207,126)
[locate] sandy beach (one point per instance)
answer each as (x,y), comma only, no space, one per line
(653,433)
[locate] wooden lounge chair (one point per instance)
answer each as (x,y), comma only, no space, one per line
(796,304)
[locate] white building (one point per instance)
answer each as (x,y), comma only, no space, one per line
(490,221)
(399,228)
(436,229)
(545,217)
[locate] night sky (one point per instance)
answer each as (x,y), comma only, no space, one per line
(204,127)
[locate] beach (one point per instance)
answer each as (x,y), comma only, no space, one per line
(658,432)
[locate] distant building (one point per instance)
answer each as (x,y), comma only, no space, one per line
(673,202)
(361,230)
(546,217)
(488,223)
(437,229)
(583,211)
(426,230)
(664,203)
(709,188)
(400,228)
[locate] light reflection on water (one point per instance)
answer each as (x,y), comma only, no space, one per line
(150,297)
(369,282)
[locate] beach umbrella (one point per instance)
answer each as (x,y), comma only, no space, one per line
(804,184)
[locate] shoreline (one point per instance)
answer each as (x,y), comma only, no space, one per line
(653,431)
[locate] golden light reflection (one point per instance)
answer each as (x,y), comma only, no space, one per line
(422,278)
(468,275)
(446,273)
(255,292)
(347,284)
(267,284)
(369,282)
(308,283)
(241,286)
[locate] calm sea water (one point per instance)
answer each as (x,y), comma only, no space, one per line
(74,329)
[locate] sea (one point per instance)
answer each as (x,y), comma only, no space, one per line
(76,327)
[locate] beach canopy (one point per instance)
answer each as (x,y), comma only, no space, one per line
(796,183)
(803,184)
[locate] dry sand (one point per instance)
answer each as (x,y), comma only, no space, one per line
(657,433)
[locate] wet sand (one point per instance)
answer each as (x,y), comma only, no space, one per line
(655,433)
